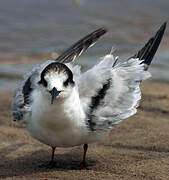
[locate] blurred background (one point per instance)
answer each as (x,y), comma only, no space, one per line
(34,31)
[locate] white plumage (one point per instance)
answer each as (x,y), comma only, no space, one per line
(84,106)
(65,123)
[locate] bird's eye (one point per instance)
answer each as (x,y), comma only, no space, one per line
(69,81)
(66,83)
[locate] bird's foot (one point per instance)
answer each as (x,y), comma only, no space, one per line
(83,165)
(51,164)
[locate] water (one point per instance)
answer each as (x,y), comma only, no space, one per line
(29,27)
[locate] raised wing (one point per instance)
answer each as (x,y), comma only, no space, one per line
(79,47)
(148,51)
(110,95)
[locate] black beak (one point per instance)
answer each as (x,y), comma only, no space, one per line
(54,92)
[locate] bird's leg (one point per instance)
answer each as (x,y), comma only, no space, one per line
(83,163)
(51,163)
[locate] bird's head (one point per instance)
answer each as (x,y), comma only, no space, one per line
(57,80)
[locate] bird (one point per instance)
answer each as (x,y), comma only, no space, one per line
(65,107)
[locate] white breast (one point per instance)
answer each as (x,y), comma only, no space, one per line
(59,125)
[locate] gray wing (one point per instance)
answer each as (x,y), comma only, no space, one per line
(111,95)
(79,47)
(21,105)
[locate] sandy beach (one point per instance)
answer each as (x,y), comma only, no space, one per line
(32,32)
(138,148)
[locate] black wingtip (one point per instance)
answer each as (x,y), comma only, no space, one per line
(148,51)
(164,25)
(103,30)
(154,44)
(80,46)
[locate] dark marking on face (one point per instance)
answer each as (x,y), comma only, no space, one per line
(59,68)
(69,81)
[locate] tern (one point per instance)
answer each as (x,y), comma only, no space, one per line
(64,107)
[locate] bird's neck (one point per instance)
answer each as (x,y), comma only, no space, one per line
(72,101)
(71,106)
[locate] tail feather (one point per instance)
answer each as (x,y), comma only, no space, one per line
(148,51)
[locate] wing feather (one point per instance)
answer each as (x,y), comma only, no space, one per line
(79,47)
(148,51)
(110,95)
(21,105)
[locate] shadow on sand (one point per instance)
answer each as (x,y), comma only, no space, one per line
(38,161)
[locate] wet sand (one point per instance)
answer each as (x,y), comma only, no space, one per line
(138,148)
